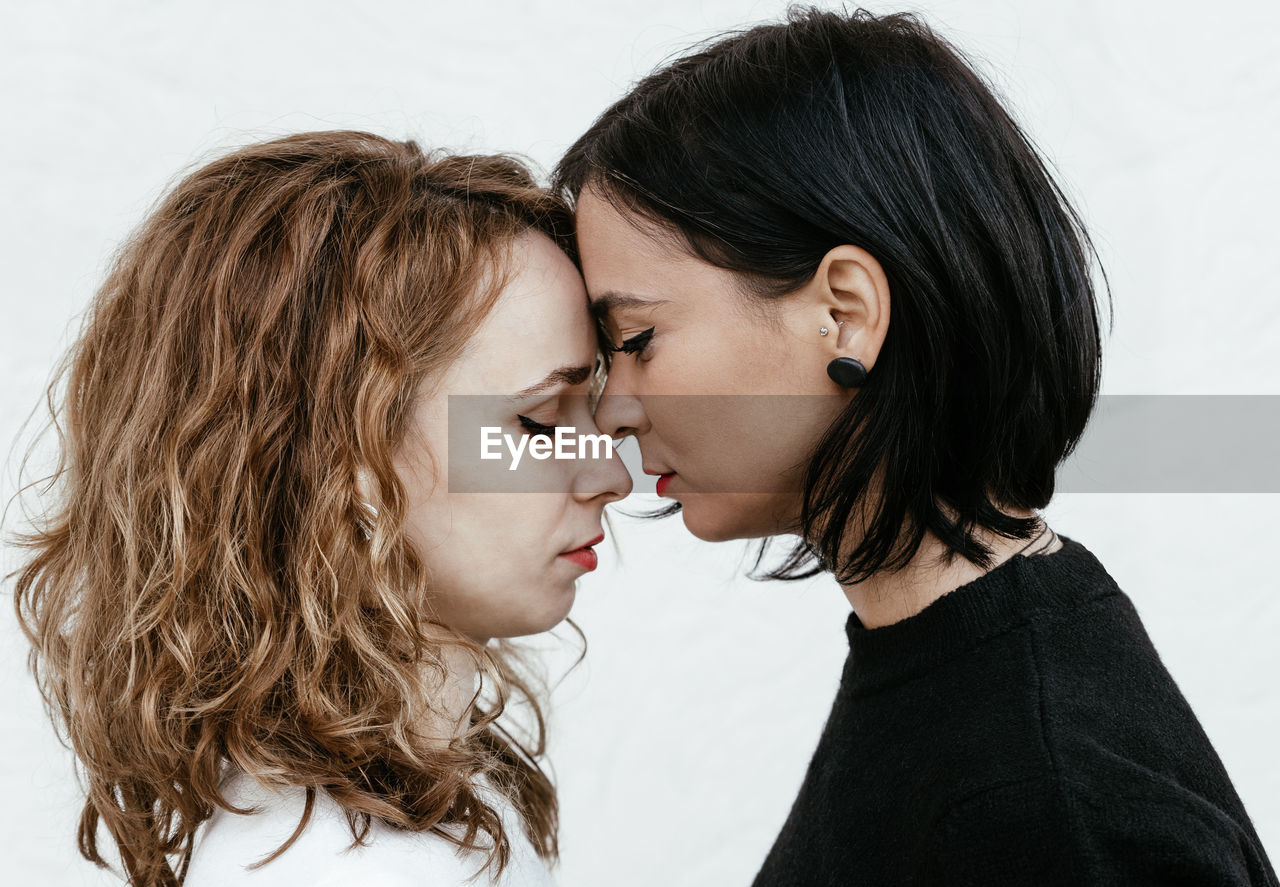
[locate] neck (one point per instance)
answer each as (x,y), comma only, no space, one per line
(444,714)
(885,597)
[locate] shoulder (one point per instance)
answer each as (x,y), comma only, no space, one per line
(323,855)
(1050,831)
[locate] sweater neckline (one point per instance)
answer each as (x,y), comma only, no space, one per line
(992,604)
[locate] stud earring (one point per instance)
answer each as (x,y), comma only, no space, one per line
(848,372)
(822,331)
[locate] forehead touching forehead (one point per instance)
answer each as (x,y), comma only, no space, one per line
(635,267)
(539,323)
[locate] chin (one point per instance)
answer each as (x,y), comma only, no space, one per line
(558,615)
(713,527)
(554,607)
(722,517)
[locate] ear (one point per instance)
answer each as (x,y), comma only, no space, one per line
(849,295)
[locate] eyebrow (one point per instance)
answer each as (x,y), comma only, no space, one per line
(612,300)
(566,375)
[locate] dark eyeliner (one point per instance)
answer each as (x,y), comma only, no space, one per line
(536,427)
(636,343)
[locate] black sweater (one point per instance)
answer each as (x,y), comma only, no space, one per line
(1019,730)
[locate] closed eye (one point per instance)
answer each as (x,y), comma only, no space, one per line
(635,344)
(536,427)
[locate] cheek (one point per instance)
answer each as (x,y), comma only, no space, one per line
(740,443)
(747,417)
(476,542)
(491,559)
(706,359)
(742,356)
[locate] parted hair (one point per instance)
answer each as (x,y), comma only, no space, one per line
(205,587)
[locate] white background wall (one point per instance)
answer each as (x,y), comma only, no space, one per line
(680,743)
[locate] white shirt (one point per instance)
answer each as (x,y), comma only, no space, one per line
(227,842)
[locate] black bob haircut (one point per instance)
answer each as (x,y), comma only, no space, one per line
(763,150)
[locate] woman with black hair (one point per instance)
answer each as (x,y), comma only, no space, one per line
(832,233)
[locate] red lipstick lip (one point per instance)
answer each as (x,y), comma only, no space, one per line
(584,555)
(663,481)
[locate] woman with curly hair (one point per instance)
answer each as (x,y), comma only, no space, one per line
(266,607)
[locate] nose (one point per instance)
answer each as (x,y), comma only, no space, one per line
(604,479)
(620,412)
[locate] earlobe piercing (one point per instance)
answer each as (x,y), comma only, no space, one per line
(822,331)
(847,372)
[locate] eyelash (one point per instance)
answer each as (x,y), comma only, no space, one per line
(536,427)
(636,345)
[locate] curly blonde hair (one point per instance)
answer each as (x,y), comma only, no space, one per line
(207,586)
